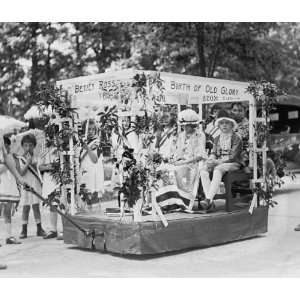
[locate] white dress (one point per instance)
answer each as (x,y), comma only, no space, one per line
(168,143)
(92,174)
(8,187)
(189,148)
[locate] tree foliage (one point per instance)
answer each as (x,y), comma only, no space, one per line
(34,54)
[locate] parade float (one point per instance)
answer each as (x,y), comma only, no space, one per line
(133,221)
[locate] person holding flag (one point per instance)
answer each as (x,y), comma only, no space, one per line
(8,161)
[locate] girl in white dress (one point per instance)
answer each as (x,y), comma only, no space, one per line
(91,162)
(9,194)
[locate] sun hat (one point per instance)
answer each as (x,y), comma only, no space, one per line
(224,115)
(188,116)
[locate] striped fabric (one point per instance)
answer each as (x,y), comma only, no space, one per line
(9,198)
(170,198)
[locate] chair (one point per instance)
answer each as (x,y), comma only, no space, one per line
(230,180)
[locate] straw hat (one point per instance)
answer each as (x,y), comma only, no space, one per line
(188,116)
(224,115)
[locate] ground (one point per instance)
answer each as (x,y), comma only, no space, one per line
(274,254)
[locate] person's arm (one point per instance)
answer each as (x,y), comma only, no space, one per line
(45,167)
(3,168)
(10,163)
(92,155)
(22,171)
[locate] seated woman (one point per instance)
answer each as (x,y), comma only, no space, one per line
(225,156)
(189,151)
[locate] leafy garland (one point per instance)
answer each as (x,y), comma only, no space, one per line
(60,103)
(266,96)
(143,176)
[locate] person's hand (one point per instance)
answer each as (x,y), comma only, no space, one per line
(179,162)
(29,158)
(211,163)
(20,181)
(85,146)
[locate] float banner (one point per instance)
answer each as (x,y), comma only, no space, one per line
(185,89)
(92,93)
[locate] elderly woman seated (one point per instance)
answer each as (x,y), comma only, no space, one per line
(187,155)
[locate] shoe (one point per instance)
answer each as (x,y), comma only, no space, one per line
(205,203)
(208,205)
(3,267)
(12,241)
(60,237)
(297,228)
(40,231)
(50,235)
(23,234)
(211,208)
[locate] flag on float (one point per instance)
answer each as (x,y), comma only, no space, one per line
(170,198)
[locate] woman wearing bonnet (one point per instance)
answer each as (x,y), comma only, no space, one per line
(189,152)
(9,163)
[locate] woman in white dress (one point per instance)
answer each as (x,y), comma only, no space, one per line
(9,194)
(91,162)
(190,151)
(8,161)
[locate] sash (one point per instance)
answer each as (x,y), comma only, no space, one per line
(35,172)
(93,145)
(167,135)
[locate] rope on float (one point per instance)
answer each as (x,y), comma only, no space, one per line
(88,233)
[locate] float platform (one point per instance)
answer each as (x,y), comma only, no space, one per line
(184,231)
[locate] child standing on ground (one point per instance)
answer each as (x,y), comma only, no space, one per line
(225,156)
(27,165)
(9,194)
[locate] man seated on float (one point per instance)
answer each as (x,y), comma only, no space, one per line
(190,150)
(225,156)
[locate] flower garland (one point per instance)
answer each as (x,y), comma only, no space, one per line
(266,96)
